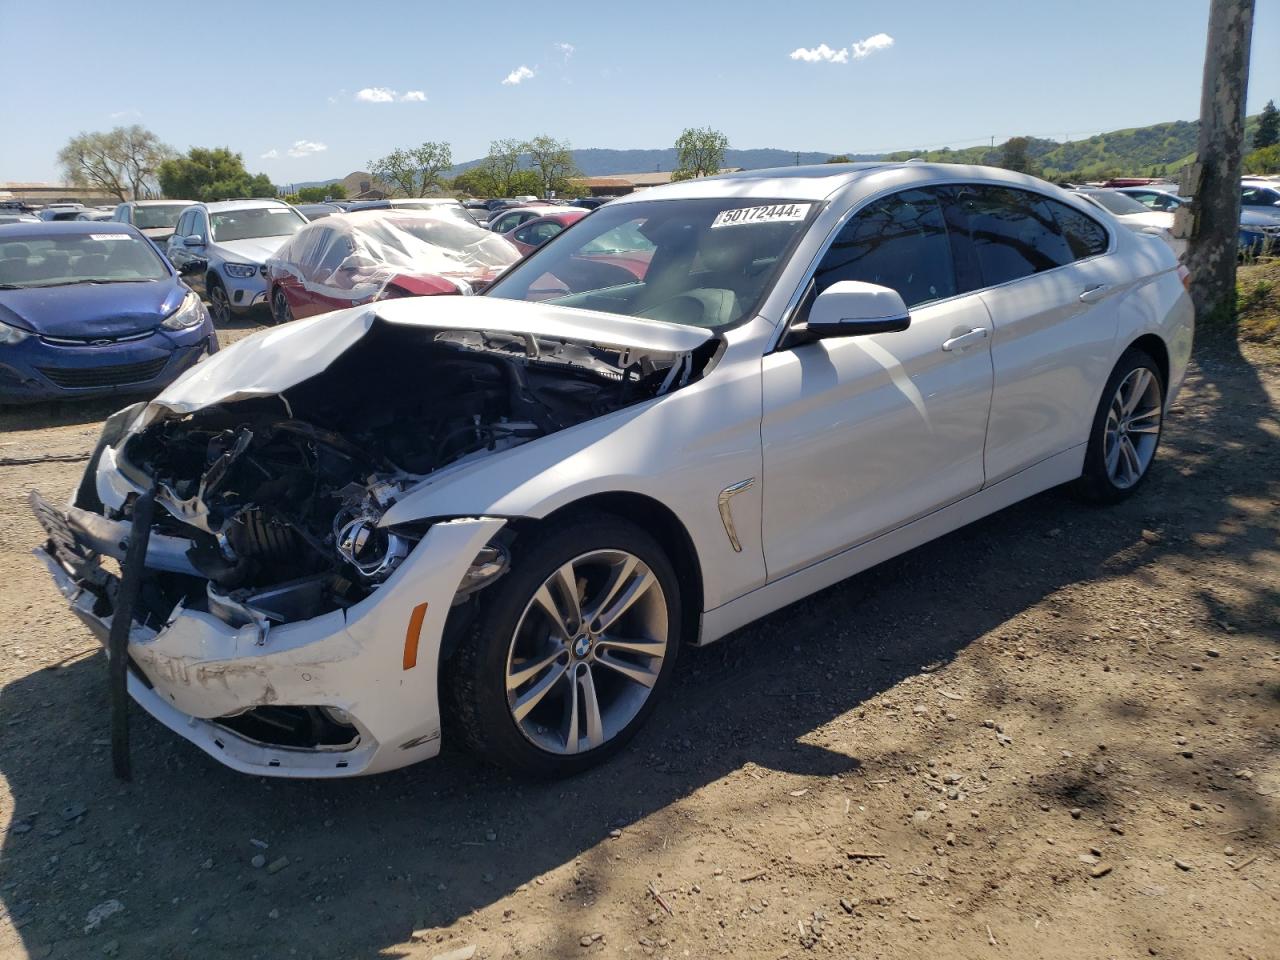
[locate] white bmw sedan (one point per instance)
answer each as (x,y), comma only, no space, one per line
(695,406)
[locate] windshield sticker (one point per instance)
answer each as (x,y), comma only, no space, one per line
(109,236)
(770,213)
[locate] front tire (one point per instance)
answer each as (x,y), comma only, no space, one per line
(280,312)
(1126,430)
(219,302)
(570,651)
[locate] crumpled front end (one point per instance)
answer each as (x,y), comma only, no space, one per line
(281,624)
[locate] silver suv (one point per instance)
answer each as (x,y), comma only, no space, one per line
(220,249)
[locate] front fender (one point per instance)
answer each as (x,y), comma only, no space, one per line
(681,449)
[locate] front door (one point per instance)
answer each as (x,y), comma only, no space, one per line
(863,434)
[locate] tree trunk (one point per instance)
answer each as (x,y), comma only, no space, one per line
(1214,180)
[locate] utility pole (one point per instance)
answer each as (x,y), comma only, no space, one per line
(1212,221)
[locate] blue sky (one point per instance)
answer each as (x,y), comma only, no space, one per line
(282,83)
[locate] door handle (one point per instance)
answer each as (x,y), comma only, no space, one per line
(965,339)
(1094,293)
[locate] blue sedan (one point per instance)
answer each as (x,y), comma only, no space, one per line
(90,309)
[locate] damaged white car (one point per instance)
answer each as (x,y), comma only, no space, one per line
(694,407)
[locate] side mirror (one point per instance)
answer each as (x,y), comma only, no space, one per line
(195,240)
(852,308)
(193,266)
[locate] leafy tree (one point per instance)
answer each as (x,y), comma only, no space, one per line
(502,166)
(699,153)
(1263,161)
(1268,132)
(416,170)
(477,181)
(331,191)
(552,161)
(1015,155)
(122,162)
(211,173)
(838,158)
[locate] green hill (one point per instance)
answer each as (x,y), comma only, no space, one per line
(1157,150)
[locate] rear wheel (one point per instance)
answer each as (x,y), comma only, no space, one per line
(570,651)
(280,312)
(1126,430)
(219,302)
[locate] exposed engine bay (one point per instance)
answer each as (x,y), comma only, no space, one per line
(281,496)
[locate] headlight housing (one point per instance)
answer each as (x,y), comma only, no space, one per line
(189,313)
(241,270)
(11,336)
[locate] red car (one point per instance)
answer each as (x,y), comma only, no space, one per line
(349,259)
(532,234)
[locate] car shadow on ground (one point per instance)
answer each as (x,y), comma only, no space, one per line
(369,861)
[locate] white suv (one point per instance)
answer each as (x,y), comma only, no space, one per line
(220,249)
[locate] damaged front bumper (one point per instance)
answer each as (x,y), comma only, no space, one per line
(363,677)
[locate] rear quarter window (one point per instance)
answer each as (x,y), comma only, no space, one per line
(1085,236)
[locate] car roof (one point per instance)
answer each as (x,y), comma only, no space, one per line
(61,228)
(222,206)
(159,203)
(821,181)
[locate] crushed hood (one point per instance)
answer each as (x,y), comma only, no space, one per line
(275,360)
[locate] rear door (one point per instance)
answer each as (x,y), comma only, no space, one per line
(1052,294)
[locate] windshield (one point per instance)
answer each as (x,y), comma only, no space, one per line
(1117,203)
(255,222)
(79,258)
(158,216)
(704,262)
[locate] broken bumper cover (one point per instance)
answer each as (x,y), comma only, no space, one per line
(198,671)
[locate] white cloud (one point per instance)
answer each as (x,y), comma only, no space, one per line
(518,75)
(820,52)
(413,96)
(864,48)
(270,154)
(133,113)
(304,148)
(375,95)
(858,49)
(565,48)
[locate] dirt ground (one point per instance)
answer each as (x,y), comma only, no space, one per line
(1052,734)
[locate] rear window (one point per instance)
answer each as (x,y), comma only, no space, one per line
(79,258)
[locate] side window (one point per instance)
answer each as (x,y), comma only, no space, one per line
(121,214)
(198,225)
(1085,236)
(899,241)
(1005,234)
(538,233)
(183,229)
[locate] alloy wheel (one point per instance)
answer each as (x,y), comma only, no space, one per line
(587,651)
(280,304)
(1132,429)
(220,305)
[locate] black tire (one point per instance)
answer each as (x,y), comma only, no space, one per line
(1096,484)
(219,302)
(474,679)
(280,312)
